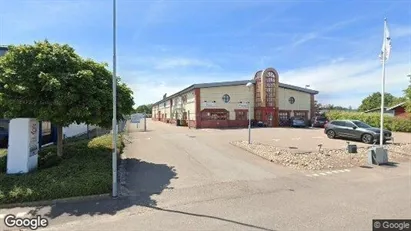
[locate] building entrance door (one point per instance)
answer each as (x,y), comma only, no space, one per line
(270,118)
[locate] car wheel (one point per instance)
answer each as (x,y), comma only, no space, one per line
(331,134)
(367,138)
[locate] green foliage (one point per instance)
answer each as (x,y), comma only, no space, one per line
(396,124)
(374,101)
(51,82)
(407,93)
(144,109)
(85,169)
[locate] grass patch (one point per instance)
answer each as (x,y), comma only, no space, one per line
(85,169)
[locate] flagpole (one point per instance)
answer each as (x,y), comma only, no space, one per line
(383,86)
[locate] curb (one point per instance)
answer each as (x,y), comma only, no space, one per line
(56,201)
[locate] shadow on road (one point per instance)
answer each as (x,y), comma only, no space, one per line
(144,180)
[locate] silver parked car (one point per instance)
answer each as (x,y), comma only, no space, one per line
(355,129)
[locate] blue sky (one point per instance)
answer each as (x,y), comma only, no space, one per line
(164,46)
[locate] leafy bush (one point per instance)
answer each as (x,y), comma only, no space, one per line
(396,124)
(84,169)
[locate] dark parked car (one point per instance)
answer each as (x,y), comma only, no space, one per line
(318,121)
(298,122)
(355,129)
(4,137)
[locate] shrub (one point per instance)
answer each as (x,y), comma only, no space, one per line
(396,124)
(85,169)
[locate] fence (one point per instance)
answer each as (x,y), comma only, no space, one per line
(48,132)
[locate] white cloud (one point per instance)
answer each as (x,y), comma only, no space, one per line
(319,33)
(398,31)
(346,82)
(151,92)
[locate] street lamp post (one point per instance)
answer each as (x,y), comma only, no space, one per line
(114,125)
(249,85)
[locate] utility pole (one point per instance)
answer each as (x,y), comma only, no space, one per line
(114,126)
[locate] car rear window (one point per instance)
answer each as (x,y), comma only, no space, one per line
(321,119)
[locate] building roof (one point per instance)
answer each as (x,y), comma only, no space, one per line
(376,109)
(395,106)
(386,108)
(233,83)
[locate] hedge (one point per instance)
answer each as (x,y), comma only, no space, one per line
(85,169)
(395,124)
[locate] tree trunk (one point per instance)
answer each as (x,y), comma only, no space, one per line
(59,141)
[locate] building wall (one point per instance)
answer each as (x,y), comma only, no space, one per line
(239,96)
(399,111)
(302,101)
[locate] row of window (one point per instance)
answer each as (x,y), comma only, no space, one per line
(222,115)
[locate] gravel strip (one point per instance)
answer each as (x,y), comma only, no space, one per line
(325,159)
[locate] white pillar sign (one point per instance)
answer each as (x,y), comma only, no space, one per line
(22,153)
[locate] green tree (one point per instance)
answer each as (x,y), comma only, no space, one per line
(407,97)
(144,109)
(374,101)
(50,82)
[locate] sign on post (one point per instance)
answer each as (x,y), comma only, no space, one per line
(22,153)
(135,118)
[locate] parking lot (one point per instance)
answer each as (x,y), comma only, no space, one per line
(296,139)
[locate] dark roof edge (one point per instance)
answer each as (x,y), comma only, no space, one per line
(233,83)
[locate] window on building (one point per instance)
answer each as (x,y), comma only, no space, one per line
(258,102)
(184,98)
(214,115)
(241,115)
(270,89)
(302,114)
(226,98)
(284,117)
(291,100)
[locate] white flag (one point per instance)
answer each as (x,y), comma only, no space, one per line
(386,44)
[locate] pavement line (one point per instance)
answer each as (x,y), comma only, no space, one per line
(2,216)
(335,171)
(296,138)
(309,175)
(316,175)
(323,174)
(276,140)
(346,170)
(317,137)
(341,171)
(329,172)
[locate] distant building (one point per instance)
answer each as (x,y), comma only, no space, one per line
(396,110)
(3,50)
(225,104)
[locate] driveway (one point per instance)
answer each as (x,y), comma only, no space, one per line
(181,179)
(297,139)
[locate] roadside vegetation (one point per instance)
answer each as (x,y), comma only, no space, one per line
(395,124)
(84,169)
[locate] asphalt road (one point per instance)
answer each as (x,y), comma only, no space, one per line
(180,179)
